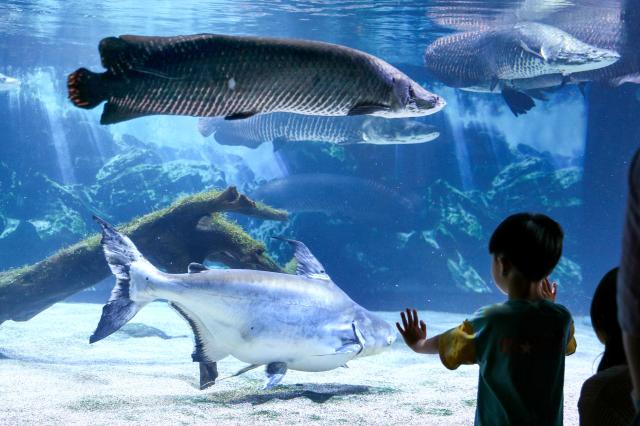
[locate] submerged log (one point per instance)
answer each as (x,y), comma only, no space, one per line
(191,230)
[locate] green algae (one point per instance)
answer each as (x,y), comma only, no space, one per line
(159,235)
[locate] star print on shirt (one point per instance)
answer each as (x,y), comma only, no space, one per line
(526,348)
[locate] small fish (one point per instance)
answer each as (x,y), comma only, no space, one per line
(281,128)
(8,83)
(139,330)
(208,75)
(486,59)
(301,322)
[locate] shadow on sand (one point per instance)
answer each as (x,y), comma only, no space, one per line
(318,394)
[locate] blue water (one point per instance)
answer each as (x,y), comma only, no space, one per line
(567,157)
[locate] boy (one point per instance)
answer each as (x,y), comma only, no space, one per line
(520,344)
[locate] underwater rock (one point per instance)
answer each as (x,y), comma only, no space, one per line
(533,183)
(190,230)
(464,220)
(8,184)
(463,215)
(40,215)
(19,243)
(124,161)
(158,183)
(466,277)
(568,275)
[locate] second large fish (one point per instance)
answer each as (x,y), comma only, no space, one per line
(280,128)
(211,75)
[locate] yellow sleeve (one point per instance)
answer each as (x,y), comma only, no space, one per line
(456,346)
(572,345)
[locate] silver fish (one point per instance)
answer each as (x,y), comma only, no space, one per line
(281,128)
(210,75)
(8,83)
(286,322)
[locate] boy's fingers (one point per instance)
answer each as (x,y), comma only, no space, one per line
(423,326)
(404,320)
(415,318)
(409,317)
(400,328)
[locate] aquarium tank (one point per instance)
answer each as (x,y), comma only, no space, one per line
(290,175)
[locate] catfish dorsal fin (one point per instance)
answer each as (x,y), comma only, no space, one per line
(194,268)
(308,265)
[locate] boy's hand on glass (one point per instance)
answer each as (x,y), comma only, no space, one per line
(548,290)
(413,331)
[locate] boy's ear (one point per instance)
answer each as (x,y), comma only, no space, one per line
(505,266)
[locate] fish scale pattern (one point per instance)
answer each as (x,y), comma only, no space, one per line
(211,75)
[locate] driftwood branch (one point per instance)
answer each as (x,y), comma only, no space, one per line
(190,230)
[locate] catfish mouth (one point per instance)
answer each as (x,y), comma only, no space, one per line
(378,341)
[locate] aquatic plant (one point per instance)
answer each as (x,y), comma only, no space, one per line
(190,230)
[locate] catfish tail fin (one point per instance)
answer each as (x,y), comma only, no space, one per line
(128,295)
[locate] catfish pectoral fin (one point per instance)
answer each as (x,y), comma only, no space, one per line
(208,374)
(275,373)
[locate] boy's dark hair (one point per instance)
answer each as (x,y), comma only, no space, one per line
(531,242)
(604,319)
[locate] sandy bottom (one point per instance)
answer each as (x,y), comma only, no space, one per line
(49,374)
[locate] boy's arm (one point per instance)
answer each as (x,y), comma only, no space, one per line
(571,344)
(428,346)
(414,333)
(455,346)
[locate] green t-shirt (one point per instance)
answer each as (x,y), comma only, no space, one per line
(520,346)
